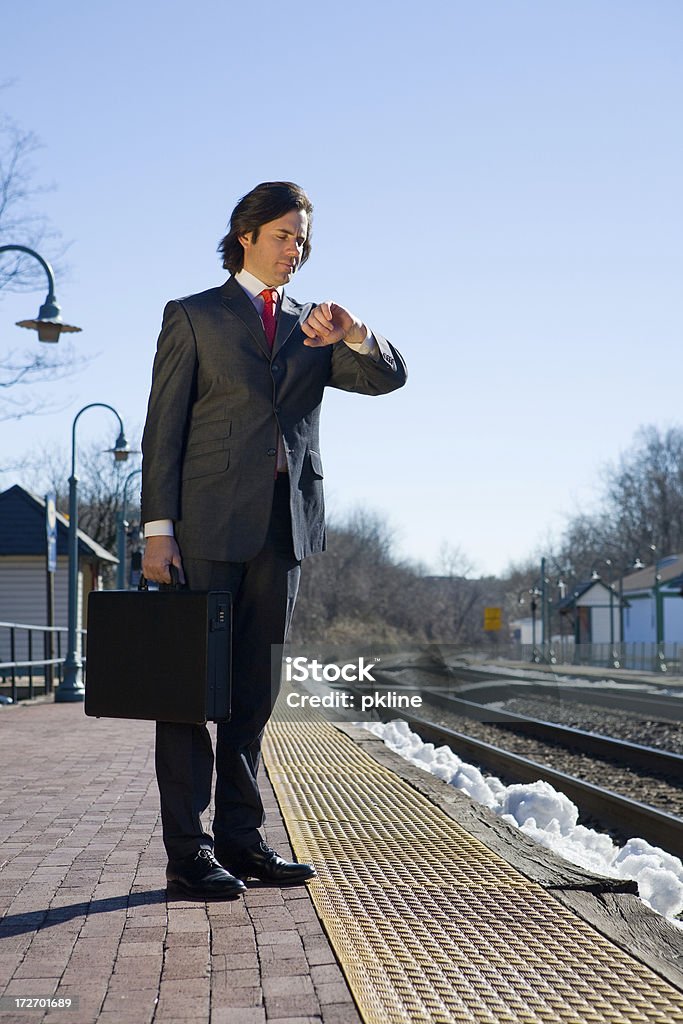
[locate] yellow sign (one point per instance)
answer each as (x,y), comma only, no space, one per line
(493,619)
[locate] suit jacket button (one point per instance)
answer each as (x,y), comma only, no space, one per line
(271,451)
(275,366)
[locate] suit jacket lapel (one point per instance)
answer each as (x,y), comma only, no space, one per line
(239,303)
(287,320)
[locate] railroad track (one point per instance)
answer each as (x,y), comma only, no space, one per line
(634,755)
(488,686)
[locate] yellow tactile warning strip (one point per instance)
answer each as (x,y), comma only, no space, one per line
(430,925)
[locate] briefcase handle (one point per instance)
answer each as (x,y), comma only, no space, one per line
(175,583)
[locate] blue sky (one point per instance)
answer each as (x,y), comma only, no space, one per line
(497,190)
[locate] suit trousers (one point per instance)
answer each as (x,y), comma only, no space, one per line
(264,592)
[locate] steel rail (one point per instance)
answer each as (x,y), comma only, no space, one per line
(634,755)
(643,702)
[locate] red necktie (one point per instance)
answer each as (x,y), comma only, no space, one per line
(269,296)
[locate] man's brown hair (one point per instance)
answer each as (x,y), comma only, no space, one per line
(266,202)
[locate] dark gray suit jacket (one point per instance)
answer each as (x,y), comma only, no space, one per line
(218,402)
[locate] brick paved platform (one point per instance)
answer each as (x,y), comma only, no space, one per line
(83,907)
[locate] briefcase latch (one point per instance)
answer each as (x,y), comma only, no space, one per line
(220,620)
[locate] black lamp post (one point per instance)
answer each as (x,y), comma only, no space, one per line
(632,567)
(71,688)
(534,592)
(660,659)
(121,524)
(595,576)
(48,323)
(540,589)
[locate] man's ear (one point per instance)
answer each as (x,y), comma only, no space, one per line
(245,240)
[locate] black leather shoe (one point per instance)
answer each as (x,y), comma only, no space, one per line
(259,861)
(201,875)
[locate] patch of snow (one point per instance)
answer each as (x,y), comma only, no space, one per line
(550,818)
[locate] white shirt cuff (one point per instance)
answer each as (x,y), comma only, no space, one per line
(159,528)
(367,347)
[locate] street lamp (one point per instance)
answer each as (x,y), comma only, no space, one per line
(595,576)
(556,580)
(660,659)
(632,567)
(71,688)
(559,572)
(121,532)
(48,323)
(540,590)
(534,592)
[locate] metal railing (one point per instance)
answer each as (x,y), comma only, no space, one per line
(25,677)
(664,658)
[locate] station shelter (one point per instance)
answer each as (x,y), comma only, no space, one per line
(592,604)
(653,610)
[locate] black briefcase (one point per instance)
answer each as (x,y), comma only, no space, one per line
(161,654)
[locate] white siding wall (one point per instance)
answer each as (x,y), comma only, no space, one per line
(597,595)
(522,630)
(600,631)
(23,598)
(598,600)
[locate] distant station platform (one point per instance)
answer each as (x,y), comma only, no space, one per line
(424,909)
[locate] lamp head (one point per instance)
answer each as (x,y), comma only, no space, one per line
(49,323)
(121,449)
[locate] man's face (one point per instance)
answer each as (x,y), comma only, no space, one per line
(276,253)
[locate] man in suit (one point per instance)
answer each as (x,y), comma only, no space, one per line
(232,497)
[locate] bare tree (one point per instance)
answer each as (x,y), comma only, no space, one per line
(355,589)
(20,224)
(453,561)
(644,494)
(358,591)
(27,369)
(641,506)
(100,486)
(453,602)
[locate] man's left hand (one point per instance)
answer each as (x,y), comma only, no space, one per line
(330,323)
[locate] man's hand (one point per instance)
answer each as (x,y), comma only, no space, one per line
(330,323)
(160,553)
